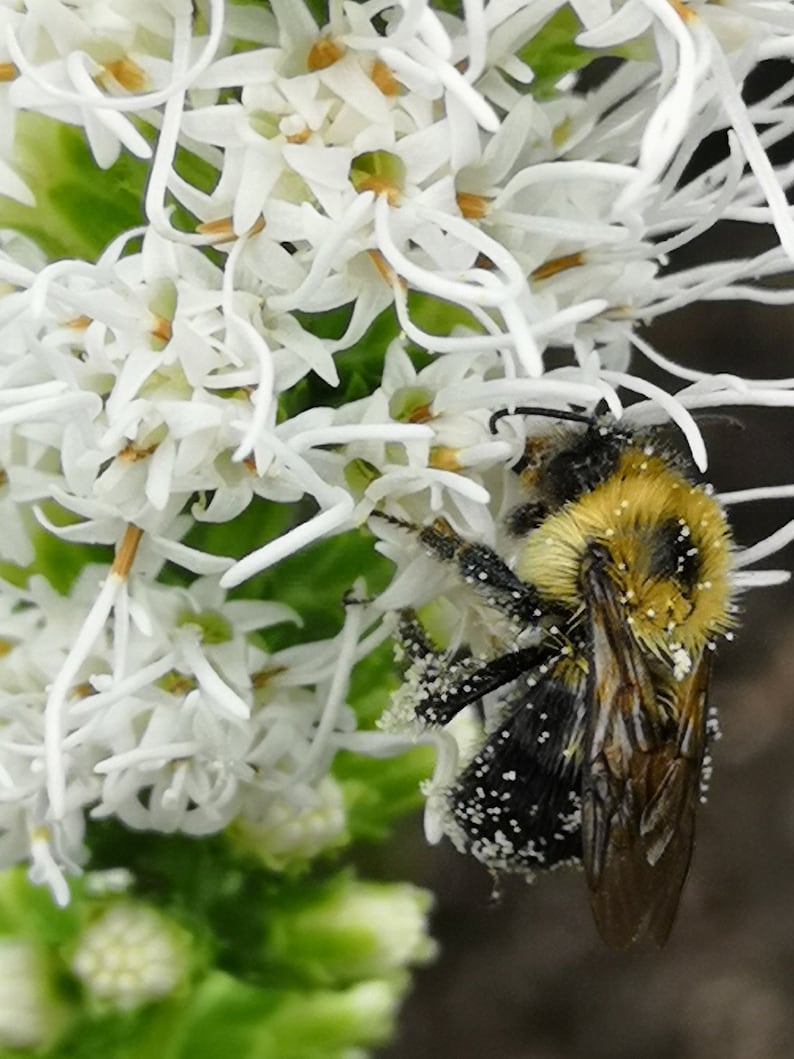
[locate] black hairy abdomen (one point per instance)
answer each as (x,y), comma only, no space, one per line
(517,804)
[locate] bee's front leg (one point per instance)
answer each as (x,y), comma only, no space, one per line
(479,566)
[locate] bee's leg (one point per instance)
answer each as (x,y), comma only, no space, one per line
(464,682)
(479,566)
(431,673)
(444,684)
(415,642)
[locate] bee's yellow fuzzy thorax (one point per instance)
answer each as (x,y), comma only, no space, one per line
(624,514)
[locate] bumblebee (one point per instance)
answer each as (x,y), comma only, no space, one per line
(594,752)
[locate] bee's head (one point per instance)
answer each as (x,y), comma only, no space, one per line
(562,466)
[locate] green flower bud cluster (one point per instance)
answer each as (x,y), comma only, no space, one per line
(257,966)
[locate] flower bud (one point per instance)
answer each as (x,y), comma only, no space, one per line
(129,956)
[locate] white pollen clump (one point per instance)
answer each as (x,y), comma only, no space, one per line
(682,663)
(400,715)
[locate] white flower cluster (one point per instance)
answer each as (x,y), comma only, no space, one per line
(397,158)
(172,721)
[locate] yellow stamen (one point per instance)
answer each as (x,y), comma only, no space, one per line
(383,267)
(125,73)
(133,453)
(176,683)
(161,328)
(382,77)
(8,72)
(125,552)
(78,323)
(264,676)
(561,132)
(557,265)
(323,53)
(422,414)
(444,458)
(299,137)
(381,186)
(221,230)
(473,207)
(683,11)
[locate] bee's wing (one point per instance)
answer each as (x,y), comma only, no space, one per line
(641,776)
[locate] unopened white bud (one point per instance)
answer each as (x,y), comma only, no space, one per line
(30,1012)
(285,833)
(129,956)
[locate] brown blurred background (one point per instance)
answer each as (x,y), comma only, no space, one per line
(528,977)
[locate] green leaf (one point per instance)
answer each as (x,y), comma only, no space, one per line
(437,317)
(79,207)
(229,1018)
(156,1030)
(29,911)
(553,52)
(59,561)
(260,522)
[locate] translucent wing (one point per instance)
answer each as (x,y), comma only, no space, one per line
(641,775)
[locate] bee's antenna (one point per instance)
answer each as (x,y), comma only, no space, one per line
(551,413)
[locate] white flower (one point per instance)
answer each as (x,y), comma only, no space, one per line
(166,717)
(86,66)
